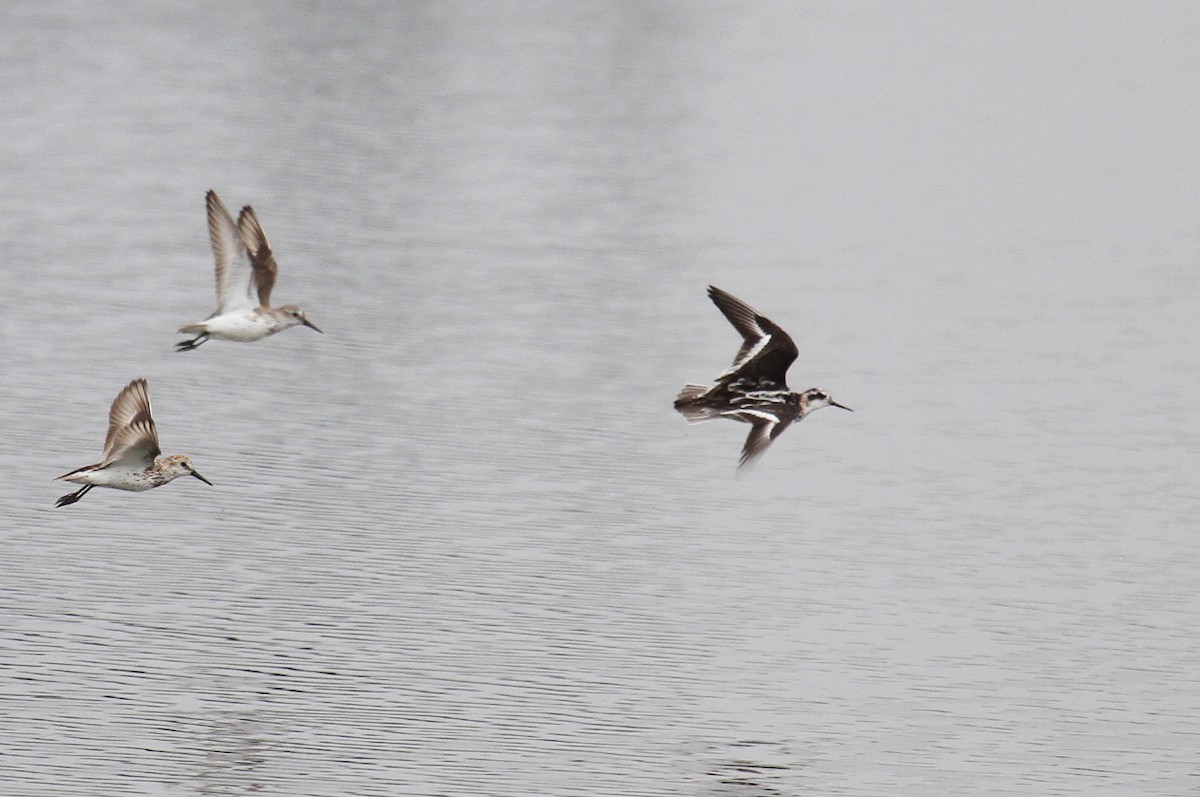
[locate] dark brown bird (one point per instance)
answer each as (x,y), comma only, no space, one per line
(754,389)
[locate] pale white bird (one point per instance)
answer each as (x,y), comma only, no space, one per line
(246,272)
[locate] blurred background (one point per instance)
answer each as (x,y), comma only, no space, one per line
(461,543)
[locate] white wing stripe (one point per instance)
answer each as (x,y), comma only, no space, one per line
(766,416)
(750,355)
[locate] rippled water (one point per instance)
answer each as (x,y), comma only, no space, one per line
(461,544)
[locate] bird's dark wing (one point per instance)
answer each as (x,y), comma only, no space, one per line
(767,351)
(765,428)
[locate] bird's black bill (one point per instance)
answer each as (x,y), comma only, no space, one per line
(842,406)
(311,325)
(201,478)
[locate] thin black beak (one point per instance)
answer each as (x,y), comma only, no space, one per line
(310,325)
(835,404)
(201,478)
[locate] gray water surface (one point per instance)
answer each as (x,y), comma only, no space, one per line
(461,543)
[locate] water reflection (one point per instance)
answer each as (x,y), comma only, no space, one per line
(234,754)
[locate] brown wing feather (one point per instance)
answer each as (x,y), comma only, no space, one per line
(741,315)
(131,431)
(771,362)
(761,436)
(229,257)
(262,259)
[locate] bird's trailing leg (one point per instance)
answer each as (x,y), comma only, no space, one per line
(71,498)
(188,345)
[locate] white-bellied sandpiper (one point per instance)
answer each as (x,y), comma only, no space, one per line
(246,272)
(130,450)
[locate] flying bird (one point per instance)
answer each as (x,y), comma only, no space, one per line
(246,272)
(754,388)
(130,460)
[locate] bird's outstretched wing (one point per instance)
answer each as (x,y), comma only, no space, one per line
(132,437)
(262,259)
(765,427)
(767,351)
(234,289)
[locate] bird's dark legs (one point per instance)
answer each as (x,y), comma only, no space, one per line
(71,498)
(188,345)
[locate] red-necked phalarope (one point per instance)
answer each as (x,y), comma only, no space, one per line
(130,449)
(245,267)
(754,389)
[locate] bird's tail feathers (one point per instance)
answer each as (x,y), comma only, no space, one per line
(694,413)
(77,471)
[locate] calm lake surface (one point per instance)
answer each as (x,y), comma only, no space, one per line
(461,544)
